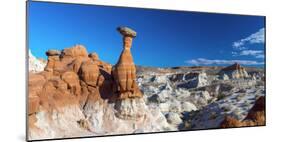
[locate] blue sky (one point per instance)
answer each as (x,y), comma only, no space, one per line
(164,38)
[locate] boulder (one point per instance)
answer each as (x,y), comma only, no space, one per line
(173,118)
(76,64)
(187,107)
(72,80)
(164,107)
(194,80)
(76,51)
(89,73)
(127,32)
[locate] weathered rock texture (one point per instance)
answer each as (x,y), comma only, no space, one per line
(194,80)
(128,105)
(125,69)
(255,117)
(234,71)
(79,95)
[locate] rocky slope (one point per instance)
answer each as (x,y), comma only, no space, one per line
(35,65)
(255,117)
(76,94)
(199,96)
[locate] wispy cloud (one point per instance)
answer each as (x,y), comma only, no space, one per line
(241,46)
(203,61)
(240,49)
(260,56)
(257,37)
(255,53)
(251,52)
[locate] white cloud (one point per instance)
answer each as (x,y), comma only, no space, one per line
(234,53)
(257,37)
(255,53)
(240,48)
(260,56)
(203,61)
(251,52)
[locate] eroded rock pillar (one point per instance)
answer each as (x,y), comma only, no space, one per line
(129,103)
(125,69)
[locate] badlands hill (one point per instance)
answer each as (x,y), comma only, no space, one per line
(203,97)
(75,94)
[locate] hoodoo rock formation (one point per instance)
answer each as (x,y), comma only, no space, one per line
(130,103)
(77,94)
(125,69)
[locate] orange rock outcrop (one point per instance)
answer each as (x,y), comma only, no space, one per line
(235,66)
(255,117)
(235,71)
(75,77)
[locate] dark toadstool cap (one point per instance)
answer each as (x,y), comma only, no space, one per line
(125,31)
(53,52)
(94,56)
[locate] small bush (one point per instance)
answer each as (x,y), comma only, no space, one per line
(221,96)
